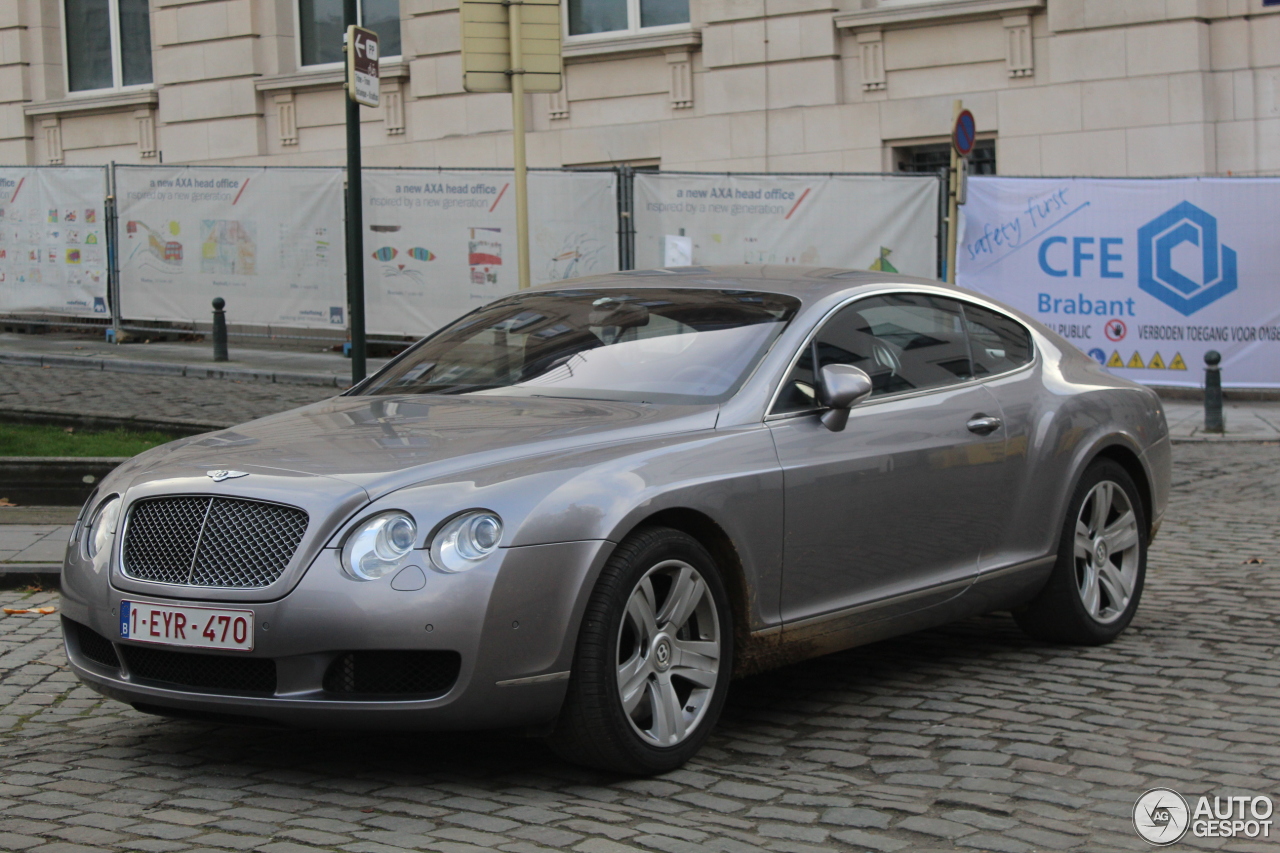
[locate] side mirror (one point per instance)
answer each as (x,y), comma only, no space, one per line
(843,387)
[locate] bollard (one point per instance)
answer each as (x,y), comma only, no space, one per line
(1213,393)
(219,329)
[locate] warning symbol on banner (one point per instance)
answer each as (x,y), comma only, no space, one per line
(1136,361)
(1156,363)
(1177,363)
(1115,360)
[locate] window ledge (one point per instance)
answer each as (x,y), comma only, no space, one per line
(632,43)
(887,16)
(324,76)
(88,103)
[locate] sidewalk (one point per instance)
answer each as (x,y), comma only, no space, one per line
(32,543)
(322,367)
(1245,421)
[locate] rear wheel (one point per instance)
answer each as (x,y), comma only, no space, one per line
(1097,581)
(653,660)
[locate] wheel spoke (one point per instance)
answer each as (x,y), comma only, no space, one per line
(1084,547)
(668,715)
(1122,534)
(686,592)
(631,678)
(1118,587)
(1089,592)
(697,661)
(640,611)
(1101,507)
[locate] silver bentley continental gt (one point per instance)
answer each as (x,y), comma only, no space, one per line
(579,511)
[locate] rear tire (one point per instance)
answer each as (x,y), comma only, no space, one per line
(1097,581)
(654,655)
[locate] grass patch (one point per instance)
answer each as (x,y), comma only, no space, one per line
(40,440)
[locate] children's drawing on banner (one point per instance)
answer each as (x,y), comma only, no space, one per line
(484,255)
(579,254)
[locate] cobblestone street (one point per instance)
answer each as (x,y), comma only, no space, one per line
(969,737)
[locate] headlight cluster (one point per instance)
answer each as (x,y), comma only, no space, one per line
(383,543)
(96,537)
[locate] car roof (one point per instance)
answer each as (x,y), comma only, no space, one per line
(808,284)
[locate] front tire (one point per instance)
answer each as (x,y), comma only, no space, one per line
(653,660)
(1097,581)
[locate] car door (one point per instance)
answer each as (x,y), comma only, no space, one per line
(897,507)
(1002,348)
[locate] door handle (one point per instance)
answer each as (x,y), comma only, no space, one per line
(983,424)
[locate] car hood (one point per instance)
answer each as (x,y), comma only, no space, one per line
(381,444)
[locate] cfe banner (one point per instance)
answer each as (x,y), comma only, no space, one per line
(438,244)
(887,223)
(268,241)
(53,241)
(1146,276)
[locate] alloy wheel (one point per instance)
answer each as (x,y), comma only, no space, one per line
(1106,551)
(668,653)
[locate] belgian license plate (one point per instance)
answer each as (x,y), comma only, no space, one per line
(197,627)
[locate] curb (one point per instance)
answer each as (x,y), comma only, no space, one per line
(161,368)
(15,575)
(104,420)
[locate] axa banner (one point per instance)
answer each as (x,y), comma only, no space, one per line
(268,241)
(887,223)
(53,241)
(1145,276)
(438,244)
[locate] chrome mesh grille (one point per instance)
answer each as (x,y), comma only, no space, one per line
(211,541)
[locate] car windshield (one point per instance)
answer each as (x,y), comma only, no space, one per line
(637,345)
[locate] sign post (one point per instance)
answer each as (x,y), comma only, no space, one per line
(963,135)
(361,48)
(513,46)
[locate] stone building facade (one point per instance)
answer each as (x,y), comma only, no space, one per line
(1059,87)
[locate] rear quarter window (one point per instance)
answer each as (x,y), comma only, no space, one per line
(998,343)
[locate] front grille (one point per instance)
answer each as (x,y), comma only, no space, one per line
(422,674)
(211,541)
(213,672)
(96,647)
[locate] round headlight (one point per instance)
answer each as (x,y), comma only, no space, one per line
(466,540)
(379,545)
(101,527)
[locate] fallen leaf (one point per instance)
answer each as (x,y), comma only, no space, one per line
(68,429)
(1253,561)
(5,502)
(43,611)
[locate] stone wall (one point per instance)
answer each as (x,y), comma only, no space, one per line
(1066,87)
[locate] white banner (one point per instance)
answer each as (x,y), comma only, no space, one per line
(1145,276)
(883,223)
(268,241)
(438,244)
(53,241)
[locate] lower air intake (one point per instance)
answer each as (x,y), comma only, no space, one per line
(398,674)
(211,672)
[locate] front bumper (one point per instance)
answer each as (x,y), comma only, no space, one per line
(512,620)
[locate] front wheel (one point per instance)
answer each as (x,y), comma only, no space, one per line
(1097,581)
(654,656)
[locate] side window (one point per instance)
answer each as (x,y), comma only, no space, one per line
(905,342)
(999,343)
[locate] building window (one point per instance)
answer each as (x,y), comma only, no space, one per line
(108,44)
(587,17)
(931,158)
(320,28)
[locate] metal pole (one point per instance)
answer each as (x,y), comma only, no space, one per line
(1213,421)
(355,220)
(112,216)
(514,18)
(953,208)
(219,329)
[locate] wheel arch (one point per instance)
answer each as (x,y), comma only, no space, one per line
(1126,458)
(719,544)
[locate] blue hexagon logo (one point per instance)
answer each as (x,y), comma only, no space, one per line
(1186,291)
